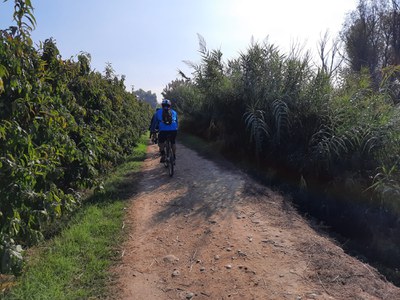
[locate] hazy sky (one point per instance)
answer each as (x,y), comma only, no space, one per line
(148,40)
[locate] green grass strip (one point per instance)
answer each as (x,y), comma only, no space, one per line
(74,264)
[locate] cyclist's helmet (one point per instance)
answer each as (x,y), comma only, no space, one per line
(166,103)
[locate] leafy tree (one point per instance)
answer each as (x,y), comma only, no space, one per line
(62,127)
(363,37)
(371,36)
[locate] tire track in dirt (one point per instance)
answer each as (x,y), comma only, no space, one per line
(211,232)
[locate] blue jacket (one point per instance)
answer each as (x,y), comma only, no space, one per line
(164,127)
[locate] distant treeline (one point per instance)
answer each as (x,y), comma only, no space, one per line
(62,126)
(149,97)
(332,129)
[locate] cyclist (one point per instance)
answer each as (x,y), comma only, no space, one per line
(167,121)
(154,126)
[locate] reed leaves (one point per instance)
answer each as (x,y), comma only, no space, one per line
(283,111)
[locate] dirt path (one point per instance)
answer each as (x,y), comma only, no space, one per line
(213,233)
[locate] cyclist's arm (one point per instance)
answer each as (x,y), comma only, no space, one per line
(154,123)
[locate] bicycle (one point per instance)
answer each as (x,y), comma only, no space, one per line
(169,157)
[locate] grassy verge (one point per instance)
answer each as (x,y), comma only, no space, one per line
(74,264)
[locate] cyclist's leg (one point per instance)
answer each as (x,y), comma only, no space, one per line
(156,137)
(162,151)
(161,144)
(173,137)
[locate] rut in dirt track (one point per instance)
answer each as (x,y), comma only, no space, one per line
(211,232)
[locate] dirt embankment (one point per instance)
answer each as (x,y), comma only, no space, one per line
(211,232)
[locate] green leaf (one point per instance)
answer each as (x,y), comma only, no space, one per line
(3,71)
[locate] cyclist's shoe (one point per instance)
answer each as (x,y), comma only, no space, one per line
(162,159)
